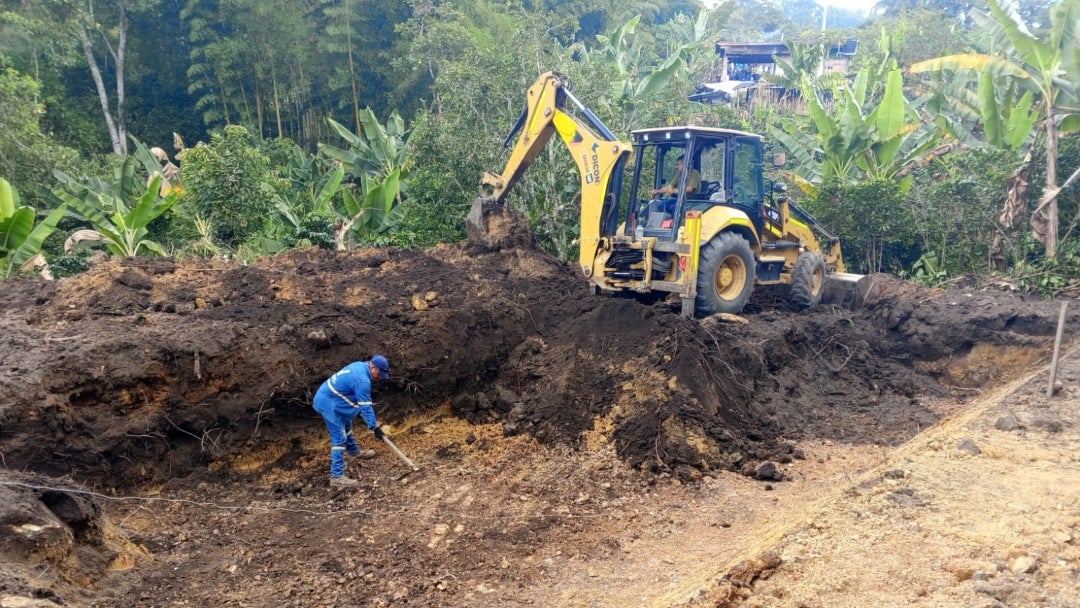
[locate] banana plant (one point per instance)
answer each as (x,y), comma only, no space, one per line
(373,216)
(843,142)
(119,211)
(626,51)
(636,79)
(380,159)
(1049,67)
(313,196)
(805,60)
(981,109)
(20,238)
(295,208)
(152,163)
(376,151)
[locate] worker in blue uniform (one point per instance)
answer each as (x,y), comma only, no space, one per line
(340,399)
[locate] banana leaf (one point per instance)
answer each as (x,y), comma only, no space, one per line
(329,189)
(31,245)
(9,199)
(150,206)
(15,228)
(20,239)
(1021,121)
(972,61)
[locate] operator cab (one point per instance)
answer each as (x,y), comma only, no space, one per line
(727,162)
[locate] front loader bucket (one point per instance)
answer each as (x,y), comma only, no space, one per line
(495,226)
(848,290)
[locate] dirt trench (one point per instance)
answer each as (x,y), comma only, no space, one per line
(189,377)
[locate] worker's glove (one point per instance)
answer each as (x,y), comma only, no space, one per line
(378,433)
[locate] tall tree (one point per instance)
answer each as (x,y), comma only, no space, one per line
(596,17)
(278,36)
(910,37)
(102,30)
(157,97)
(1031,11)
(36,36)
(214,75)
(253,63)
(761,20)
(953,8)
(353,38)
(806,13)
(340,40)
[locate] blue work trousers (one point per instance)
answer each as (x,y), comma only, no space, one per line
(341,440)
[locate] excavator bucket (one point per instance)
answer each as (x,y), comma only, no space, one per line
(848,290)
(493,226)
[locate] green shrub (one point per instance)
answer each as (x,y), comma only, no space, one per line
(955,203)
(224,184)
(874,223)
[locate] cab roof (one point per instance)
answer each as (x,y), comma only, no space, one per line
(685,131)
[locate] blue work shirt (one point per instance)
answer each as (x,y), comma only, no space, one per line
(348,393)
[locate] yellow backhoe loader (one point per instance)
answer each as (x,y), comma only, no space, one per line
(723,232)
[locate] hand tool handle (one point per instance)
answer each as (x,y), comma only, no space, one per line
(403,457)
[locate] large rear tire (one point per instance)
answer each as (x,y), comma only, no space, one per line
(726,275)
(807,280)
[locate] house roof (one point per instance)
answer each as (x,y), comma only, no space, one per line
(763,52)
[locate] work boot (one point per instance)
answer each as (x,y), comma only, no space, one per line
(365,454)
(343,482)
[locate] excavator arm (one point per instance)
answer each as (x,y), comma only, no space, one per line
(599,156)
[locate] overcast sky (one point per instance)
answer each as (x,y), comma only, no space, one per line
(863,6)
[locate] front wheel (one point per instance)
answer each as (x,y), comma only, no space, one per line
(807,280)
(726,275)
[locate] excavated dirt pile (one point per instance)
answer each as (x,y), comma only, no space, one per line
(143,372)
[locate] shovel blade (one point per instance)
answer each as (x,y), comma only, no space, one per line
(405,474)
(494,226)
(849,290)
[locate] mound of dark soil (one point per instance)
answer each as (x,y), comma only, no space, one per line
(141,371)
(137,370)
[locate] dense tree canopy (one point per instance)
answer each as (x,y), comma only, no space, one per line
(262,90)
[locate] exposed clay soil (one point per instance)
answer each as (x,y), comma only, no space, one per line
(159,446)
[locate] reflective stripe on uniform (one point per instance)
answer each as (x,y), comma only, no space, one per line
(338,393)
(334,390)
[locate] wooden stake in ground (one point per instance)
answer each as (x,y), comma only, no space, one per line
(1057,349)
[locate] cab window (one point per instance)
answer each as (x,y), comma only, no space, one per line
(747,182)
(711,167)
